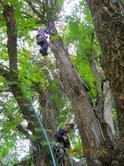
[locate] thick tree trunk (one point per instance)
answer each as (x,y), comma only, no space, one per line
(89,129)
(108,17)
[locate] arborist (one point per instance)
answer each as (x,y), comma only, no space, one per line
(43,39)
(61,136)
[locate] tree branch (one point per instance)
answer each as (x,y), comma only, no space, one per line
(8,13)
(41,16)
(24,103)
(4,72)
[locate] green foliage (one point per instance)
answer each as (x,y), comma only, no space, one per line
(84,70)
(55,38)
(78,33)
(11,118)
(77,148)
(81,35)
(59,3)
(30,74)
(44,143)
(38,129)
(62,104)
(57,8)
(5,147)
(3,48)
(3,84)
(86,13)
(33,138)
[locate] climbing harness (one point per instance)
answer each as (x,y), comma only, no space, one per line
(60,151)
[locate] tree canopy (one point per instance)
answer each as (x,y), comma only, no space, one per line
(80,81)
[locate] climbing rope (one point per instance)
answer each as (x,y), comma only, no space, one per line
(39,119)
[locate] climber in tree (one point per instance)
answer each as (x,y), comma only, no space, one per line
(43,40)
(61,135)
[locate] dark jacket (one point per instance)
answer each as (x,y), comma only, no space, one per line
(59,137)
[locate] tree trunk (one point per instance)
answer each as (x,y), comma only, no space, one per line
(89,128)
(24,103)
(108,17)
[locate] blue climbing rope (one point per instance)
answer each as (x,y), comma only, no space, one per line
(39,119)
(45,135)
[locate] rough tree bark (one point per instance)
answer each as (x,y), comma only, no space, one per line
(108,17)
(103,107)
(89,128)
